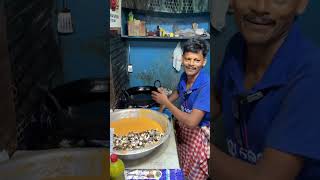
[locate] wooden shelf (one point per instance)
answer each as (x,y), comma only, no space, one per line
(166,14)
(159,38)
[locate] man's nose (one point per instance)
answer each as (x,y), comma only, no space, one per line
(191,62)
(259,6)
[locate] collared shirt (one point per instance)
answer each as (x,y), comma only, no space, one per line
(286,118)
(197,96)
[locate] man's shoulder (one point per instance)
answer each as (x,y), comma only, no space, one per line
(206,76)
(308,58)
(304,73)
(183,76)
(182,79)
(233,52)
(234,49)
(310,51)
(203,80)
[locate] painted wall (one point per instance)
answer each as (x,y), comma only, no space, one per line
(309,23)
(152,59)
(84,51)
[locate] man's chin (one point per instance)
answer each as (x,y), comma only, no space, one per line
(191,73)
(256,39)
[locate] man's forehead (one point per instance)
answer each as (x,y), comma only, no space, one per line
(193,55)
(293,2)
(189,53)
(284,6)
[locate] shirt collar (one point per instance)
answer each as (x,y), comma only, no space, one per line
(277,72)
(199,82)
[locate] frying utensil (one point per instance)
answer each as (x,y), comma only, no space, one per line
(65,25)
(139,96)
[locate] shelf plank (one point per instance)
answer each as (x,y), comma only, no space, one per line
(160,38)
(165,13)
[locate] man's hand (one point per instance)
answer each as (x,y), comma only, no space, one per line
(189,119)
(160,97)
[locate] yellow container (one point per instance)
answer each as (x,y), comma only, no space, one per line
(116,168)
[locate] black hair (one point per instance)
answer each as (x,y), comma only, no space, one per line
(196,45)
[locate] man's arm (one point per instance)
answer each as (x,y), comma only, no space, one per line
(273,165)
(189,119)
(173,97)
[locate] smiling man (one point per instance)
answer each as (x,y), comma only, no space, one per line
(193,119)
(267,92)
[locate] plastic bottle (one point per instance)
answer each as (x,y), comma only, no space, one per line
(130,16)
(116,168)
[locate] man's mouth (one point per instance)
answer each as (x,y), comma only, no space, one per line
(191,68)
(262,20)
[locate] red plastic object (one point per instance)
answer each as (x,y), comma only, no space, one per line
(114,158)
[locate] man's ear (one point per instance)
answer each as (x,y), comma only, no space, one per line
(302,5)
(205,62)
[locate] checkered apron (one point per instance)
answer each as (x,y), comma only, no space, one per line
(193,151)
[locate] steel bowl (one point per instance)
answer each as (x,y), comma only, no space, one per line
(153,116)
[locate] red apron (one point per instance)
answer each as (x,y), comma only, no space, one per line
(193,151)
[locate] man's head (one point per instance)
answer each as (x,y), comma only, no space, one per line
(264,21)
(194,55)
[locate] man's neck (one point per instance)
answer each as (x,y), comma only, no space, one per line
(259,57)
(191,80)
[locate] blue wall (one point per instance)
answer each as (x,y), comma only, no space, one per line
(84,51)
(310,23)
(152,60)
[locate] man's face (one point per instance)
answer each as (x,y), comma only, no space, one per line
(193,63)
(263,21)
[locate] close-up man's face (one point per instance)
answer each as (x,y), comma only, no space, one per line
(193,63)
(263,21)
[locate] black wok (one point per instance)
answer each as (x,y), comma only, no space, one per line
(139,96)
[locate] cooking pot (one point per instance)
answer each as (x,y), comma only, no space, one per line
(80,107)
(152,115)
(139,96)
(82,91)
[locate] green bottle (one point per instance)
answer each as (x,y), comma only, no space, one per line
(116,168)
(130,16)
